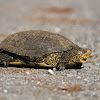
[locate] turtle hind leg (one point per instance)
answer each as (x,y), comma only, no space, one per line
(61,66)
(7,60)
(21,63)
(16,63)
(4,59)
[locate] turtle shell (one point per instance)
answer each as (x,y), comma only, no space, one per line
(35,43)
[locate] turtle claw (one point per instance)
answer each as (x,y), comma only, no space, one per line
(61,67)
(6,64)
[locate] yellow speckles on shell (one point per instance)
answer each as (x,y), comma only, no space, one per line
(52,59)
(12,58)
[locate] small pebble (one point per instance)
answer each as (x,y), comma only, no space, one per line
(1,79)
(69,75)
(50,72)
(27,72)
(79,77)
(54,69)
(49,98)
(86,80)
(5,91)
(57,29)
(84,46)
(38,82)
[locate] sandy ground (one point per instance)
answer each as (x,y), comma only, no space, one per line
(79,20)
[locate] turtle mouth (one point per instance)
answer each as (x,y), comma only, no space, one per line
(82,60)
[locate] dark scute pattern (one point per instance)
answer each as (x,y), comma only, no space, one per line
(35,43)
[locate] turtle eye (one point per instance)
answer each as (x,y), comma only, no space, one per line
(84,51)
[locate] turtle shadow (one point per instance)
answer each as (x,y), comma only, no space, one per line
(21,66)
(78,66)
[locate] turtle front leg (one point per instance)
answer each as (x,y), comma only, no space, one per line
(65,65)
(61,66)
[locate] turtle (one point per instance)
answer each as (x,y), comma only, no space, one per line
(41,48)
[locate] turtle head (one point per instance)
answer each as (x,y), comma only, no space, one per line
(80,55)
(83,54)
